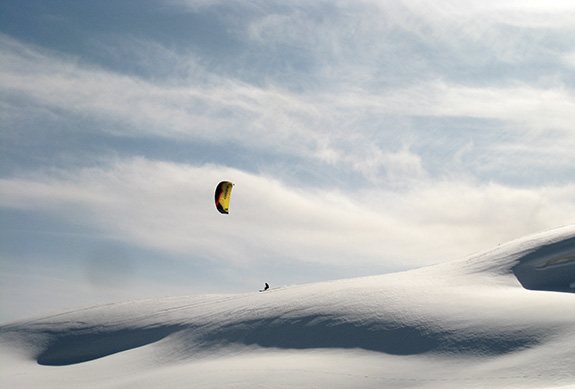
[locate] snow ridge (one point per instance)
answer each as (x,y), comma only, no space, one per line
(473,310)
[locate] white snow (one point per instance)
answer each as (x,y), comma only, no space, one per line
(468,323)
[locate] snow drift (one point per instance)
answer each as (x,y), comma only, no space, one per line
(501,318)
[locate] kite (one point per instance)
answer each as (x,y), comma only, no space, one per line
(223,193)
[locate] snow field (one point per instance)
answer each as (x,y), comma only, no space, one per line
(467,323)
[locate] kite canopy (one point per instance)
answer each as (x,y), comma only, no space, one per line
(223,193)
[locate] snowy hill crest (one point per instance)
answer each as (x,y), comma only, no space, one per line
(471,310)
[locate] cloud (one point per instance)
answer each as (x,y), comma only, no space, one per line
(371,126)
(168,206)
(360,130)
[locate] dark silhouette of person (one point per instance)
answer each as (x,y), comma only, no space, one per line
(267,286)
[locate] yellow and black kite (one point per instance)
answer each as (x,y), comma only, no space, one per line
(223,193)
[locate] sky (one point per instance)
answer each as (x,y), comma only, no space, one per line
(363,137)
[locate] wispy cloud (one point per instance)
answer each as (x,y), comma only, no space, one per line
(349,129)
(169,206)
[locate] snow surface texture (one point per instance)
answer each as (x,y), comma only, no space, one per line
(498,319)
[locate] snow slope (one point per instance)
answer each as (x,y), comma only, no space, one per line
(468,323)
